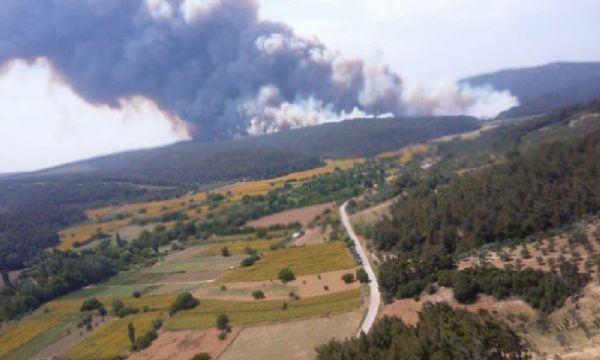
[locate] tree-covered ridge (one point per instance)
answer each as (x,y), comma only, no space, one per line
(264,156)
(546,188)
(441,333)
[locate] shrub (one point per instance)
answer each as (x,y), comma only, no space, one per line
(250,260)
(465,289)
(223,322)
(145,340)
(348,278)
(183,301)
(91,304)
(201,356)
(362,276)
(137,294)
(286,275)
(225,252)
(258,294)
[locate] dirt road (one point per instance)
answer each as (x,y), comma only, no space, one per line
(375,297)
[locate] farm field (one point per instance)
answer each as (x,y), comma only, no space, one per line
(183,345)
(297,339)
(302,215)
(303,260)
(238,248)
(247,312)
(112,340)
(82,233)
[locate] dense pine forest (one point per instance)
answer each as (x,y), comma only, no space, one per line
(441,333)
(529,193)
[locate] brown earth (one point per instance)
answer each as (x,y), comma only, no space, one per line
(372,214)
(408,309)
(295,340)
(304,286)
(61,346)
(313,236)
(185,254)
(183,345)
(302,215)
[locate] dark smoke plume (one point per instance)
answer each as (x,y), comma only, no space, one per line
(213,62)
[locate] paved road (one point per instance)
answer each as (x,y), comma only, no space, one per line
(375,298)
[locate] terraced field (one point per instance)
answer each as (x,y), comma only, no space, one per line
(303,260)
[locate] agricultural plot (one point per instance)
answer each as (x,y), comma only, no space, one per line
(302,215)
(24,332)
(297,339)
(302,260)
(238,248)
(245,312)
(112,340)
(82,233)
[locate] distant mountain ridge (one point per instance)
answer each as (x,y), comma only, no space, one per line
(544,88)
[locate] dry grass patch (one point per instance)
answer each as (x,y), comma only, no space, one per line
(245,312)
(303,215)
(302,260)
(183,345)
(296,339)
(82,233)
(17,334)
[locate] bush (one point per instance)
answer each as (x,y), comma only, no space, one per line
(183,301)
(91,304)
(362,276)
(258,294)
(225,252)
(201,356)
(223,322)
(145,340)
(465,289)
(286,275)
(249,261)
(348,278)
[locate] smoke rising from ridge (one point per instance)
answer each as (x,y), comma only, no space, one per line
(212,62)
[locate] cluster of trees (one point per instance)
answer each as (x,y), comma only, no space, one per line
(536,191)
(441,333)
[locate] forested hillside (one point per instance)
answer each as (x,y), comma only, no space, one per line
(264,156)
(442,333)
(544,88)
(535,191)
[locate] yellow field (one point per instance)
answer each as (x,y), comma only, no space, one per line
(247,312)
(19,333)
(112,340)
(236,248)
(405,154)
(84,232)
(302,260)
(156,208)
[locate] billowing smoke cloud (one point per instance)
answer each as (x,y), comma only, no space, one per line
(44,123)
(452,99)
(203,59)
(212,62)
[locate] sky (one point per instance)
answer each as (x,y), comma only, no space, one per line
(439,40)
(429,43)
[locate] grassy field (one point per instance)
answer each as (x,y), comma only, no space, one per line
(247,312)
(112,340)
(304,260)
(18,334)
(198,263)
(406,154)
(238,248)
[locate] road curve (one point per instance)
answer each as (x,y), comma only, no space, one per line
(375,297)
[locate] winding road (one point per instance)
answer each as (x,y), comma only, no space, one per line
(375,297)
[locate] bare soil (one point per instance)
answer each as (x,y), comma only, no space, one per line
(313,236)
(60,347)
(185,254)
(372,214)
(294,340)
(183,345)
(408,309)
(302,215)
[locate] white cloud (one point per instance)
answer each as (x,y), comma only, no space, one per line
(44,123)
